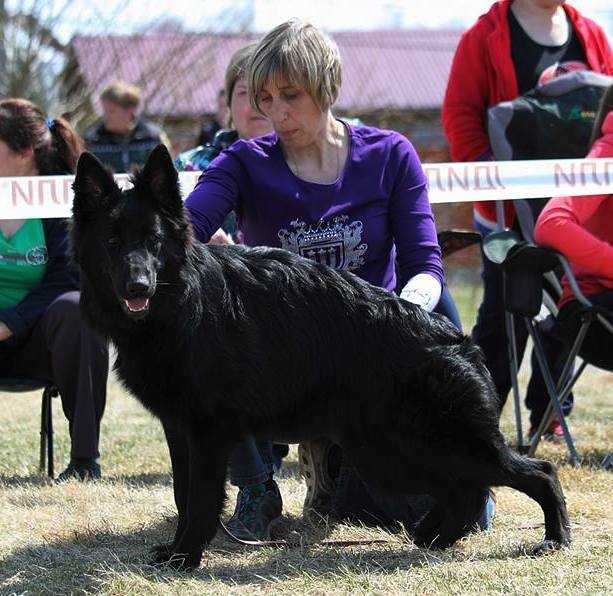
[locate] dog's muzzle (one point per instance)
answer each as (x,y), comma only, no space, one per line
(136,304)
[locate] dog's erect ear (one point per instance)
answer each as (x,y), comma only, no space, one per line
(93,186)
(162,179)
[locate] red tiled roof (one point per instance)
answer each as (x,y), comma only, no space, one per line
(181,73)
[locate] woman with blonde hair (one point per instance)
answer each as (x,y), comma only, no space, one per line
(351,197)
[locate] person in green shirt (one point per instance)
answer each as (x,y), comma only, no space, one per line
(42,334)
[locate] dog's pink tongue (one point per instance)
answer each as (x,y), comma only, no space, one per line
(136,304)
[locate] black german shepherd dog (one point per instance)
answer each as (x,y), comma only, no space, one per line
(223,342)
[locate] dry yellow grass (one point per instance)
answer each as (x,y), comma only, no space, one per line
(93,538)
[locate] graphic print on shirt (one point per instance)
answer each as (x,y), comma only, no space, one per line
(334,243)
(34,256)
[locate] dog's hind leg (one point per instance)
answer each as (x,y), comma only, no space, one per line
(539,480)
(179,459)
(208,460)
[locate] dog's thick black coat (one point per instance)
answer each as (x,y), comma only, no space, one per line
(221,342)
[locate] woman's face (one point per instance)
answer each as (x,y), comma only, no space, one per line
(248,122)
(15,163)
(295,117)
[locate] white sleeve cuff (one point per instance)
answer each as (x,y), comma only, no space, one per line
(424,290)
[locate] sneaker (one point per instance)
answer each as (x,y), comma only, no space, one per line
(319,462)
(554,432)
(257,507)
(81,469)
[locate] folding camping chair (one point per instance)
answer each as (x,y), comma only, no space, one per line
(552,121)
(525,267)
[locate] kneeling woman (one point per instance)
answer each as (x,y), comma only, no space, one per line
(351,197)
(42,335)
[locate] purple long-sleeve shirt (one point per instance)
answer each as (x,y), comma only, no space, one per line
(378,205)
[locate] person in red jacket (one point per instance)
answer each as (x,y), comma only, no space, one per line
(580,228)
(508,51)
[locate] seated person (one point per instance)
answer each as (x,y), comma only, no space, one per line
(42,334)
(581,229)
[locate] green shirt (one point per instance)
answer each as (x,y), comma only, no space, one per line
(23,260)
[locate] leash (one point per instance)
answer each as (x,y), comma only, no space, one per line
(291,544)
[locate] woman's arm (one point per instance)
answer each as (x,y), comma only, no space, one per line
(466,100)
(561,226)
(420,269)
(60,277)
(215,195)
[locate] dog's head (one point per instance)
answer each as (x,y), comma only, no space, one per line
(125,240)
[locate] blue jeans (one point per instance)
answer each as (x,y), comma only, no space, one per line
(490,334)
(251,462)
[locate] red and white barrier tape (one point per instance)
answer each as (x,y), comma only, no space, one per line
(51,196)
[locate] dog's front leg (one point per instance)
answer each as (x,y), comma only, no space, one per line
(179,459)
(208,461)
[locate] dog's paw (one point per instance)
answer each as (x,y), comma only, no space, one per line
(547,547)
(161,552)
(177,561)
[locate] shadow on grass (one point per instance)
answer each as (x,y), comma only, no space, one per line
(89,559)
(147,479)
(25,481)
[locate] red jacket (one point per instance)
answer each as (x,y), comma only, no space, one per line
(483,75)
(581,228)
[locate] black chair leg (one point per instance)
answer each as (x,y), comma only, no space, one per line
(43,432)
(51,392)
(46,431)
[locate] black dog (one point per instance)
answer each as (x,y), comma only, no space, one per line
(222,342)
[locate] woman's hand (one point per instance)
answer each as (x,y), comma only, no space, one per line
(5,332)
(220,237)
(424,290)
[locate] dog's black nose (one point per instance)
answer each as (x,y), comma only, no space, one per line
(138,287)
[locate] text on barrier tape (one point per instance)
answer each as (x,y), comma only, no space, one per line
(51,196)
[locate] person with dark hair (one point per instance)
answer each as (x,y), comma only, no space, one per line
(123,139)
(514,47)
(42,334)
(581,229)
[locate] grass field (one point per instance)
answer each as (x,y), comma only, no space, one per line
(93,538)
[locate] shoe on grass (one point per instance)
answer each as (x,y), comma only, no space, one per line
(257,507)
(554,432)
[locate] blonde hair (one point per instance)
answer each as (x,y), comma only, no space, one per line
(122,94)
(302,54)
